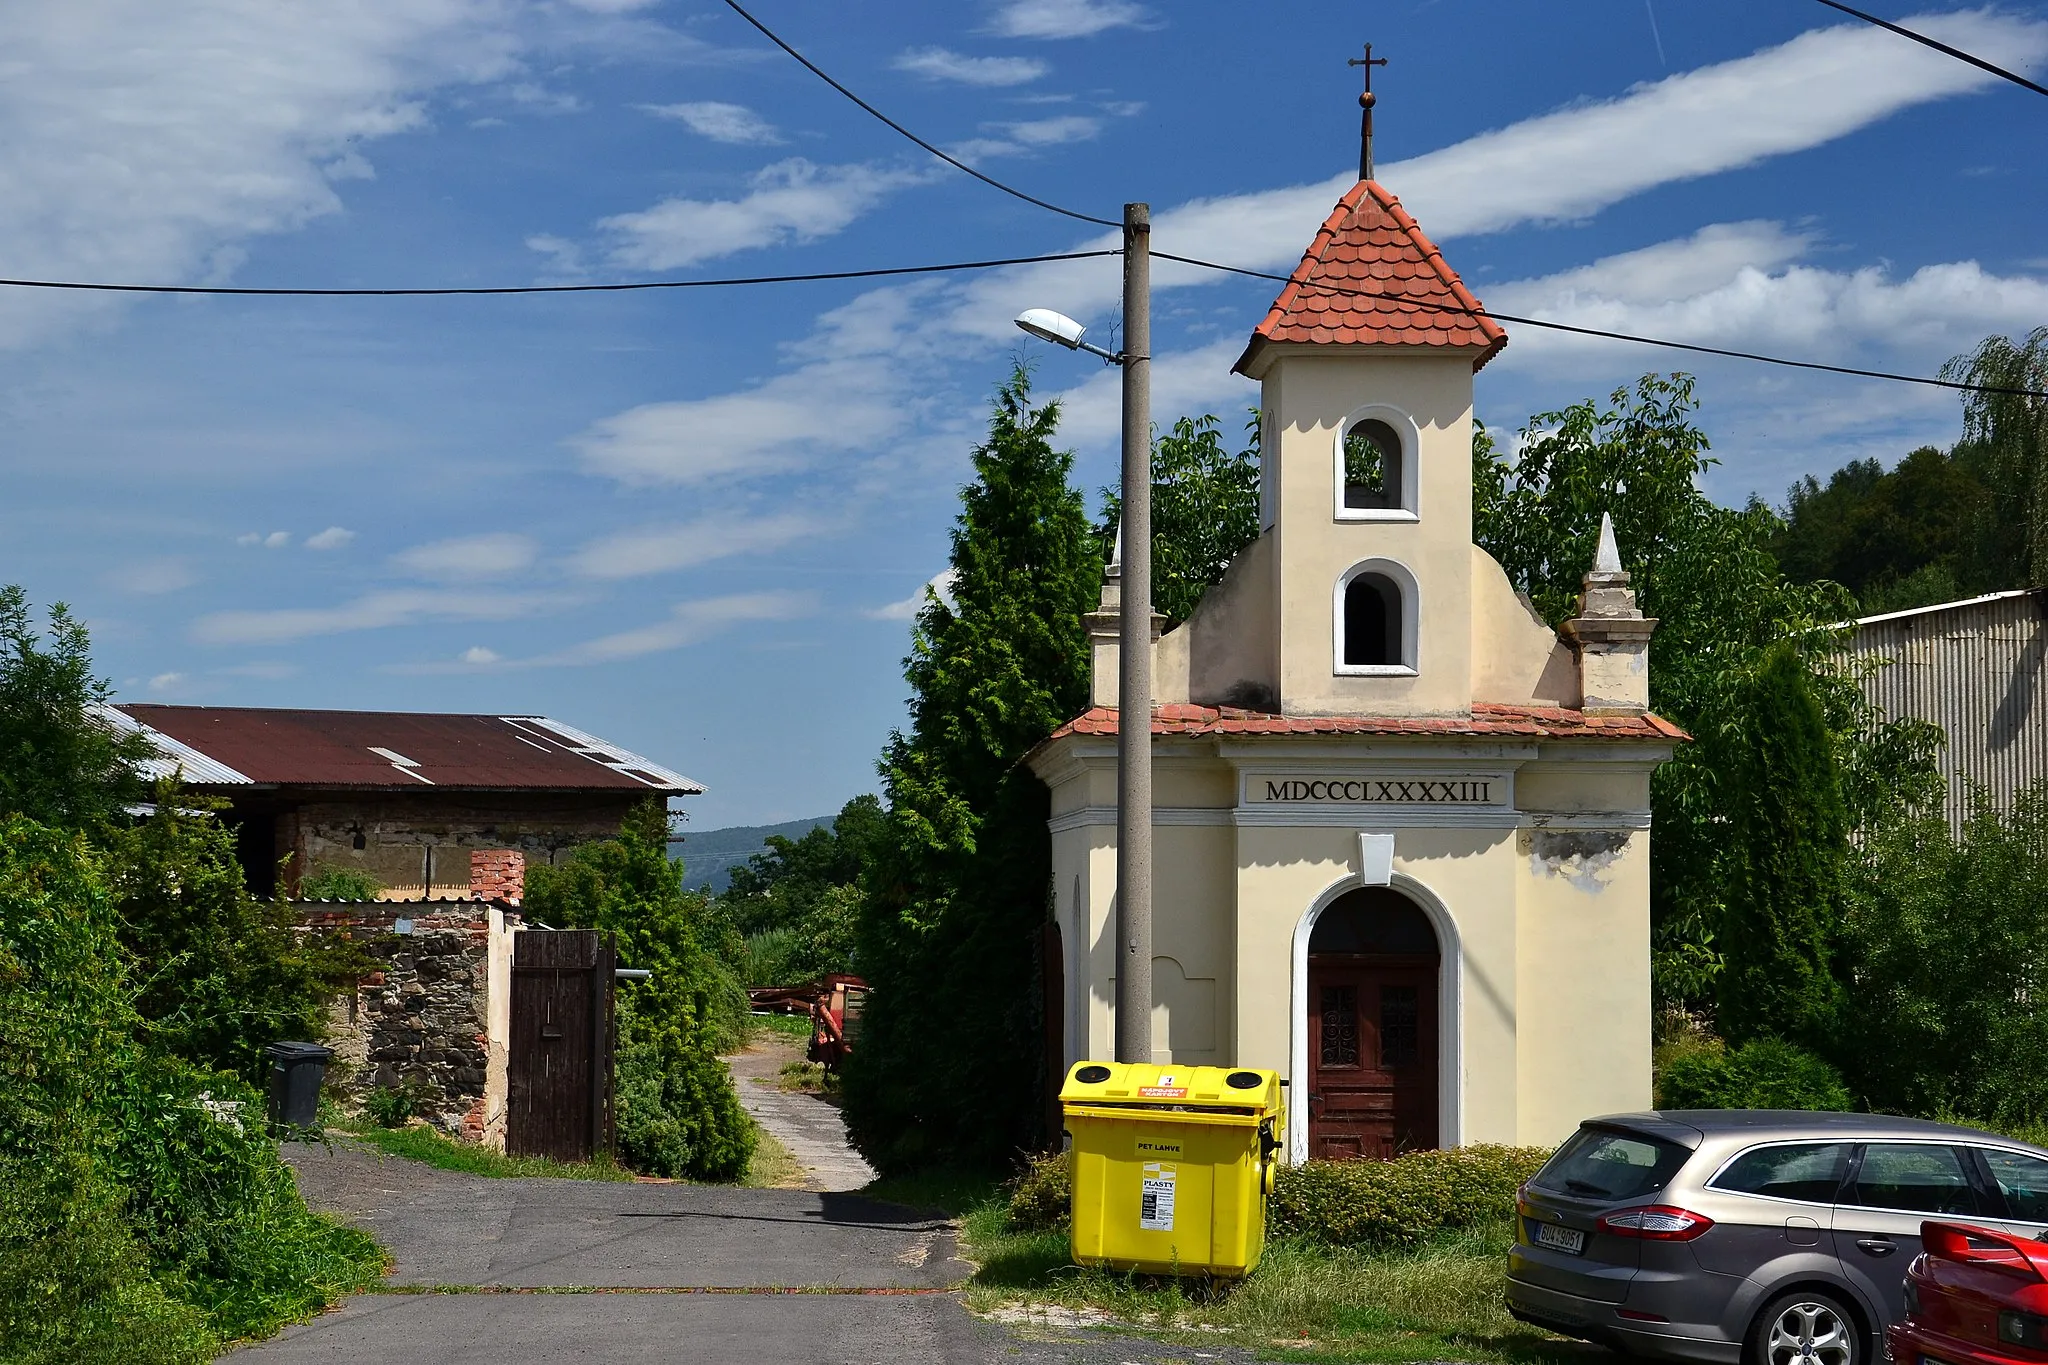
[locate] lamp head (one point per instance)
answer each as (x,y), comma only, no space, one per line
(1047,325)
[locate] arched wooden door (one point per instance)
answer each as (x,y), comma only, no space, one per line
(1373,1050)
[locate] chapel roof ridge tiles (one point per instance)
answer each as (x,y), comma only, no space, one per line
(1387,285)
(1488,720)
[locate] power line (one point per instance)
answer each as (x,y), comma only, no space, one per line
(1939,46)
(1610,336)
(811,277)
(950,160)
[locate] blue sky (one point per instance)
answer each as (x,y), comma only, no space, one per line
(694,523)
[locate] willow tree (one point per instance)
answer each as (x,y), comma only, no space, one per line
(2006,420)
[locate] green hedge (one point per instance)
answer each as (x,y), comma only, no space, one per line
(1339,1203)
(1402,1202)
(1763,1073)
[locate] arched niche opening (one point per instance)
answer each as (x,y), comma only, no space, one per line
(1373,1045)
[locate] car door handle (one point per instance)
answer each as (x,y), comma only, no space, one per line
(1875,1246)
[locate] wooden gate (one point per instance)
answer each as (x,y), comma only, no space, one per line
(559,1073)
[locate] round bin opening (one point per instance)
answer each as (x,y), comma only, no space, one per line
(1244,1080)
(1092,1075)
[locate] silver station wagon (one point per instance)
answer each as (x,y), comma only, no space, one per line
(1774,1238)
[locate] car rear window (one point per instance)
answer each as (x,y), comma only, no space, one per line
(2022,1179)
(1795,1170)
(1603,1163)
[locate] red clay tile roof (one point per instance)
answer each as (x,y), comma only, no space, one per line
(1487,721)
(402,749)
(1370,247)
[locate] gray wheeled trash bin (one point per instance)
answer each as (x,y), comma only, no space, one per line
(296,1071)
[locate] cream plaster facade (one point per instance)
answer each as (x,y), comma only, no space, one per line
(1470,776)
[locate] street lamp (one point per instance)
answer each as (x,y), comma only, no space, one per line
(1134,675)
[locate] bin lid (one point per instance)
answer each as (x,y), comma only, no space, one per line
(1135,1085)
(297,1052)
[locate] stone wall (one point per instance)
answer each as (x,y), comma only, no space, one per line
(424,1016)
(418,844)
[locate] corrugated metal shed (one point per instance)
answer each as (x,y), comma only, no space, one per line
(241,745)
(1974,668)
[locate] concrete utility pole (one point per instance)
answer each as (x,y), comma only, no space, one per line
(1134,683)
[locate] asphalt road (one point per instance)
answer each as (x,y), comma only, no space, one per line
(517,1272)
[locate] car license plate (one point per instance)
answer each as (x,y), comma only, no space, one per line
(1562,1239)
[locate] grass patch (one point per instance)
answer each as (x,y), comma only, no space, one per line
(808,1078)
(794,1026)
(1442,1300)
(426,1145)
(772,1168)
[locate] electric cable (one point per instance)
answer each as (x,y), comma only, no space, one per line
(1548,325)
(808,278)
(1938,46)
(950,160)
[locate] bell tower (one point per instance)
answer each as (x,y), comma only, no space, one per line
(1365,365)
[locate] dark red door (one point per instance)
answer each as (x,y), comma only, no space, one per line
(1372,1056)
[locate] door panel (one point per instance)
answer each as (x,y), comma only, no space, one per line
(1896,1186)
(1372,1057)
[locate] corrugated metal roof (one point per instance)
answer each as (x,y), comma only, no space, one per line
(239,745)
(1974,668)
(173,759)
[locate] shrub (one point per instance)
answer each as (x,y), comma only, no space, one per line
(142,1215)
(390,1106)
(1403,1202)
(339,884)
(1764,1073)
(1042,1195)
(678,1114)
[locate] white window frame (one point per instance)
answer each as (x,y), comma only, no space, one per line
(1411,611)
(1410,436)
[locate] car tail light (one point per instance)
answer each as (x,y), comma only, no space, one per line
(2023,1329)
(1655,1223)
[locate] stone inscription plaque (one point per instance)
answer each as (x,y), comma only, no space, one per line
(1449,789)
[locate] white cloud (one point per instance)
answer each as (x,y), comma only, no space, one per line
(477,654)
(1028,136)
(275,540)
(1065,18)
(488,555)
(1740,286)
(686,624)
(165,135)
(543,100)
(870,360)
(1818,87)
(154,577)
(373,611)
(333,538)
(719,121)
(662,549)
(166,682)
(787,423)
(790,201)
(939,63)
(940,583)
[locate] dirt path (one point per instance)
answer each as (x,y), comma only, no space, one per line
(810,1128)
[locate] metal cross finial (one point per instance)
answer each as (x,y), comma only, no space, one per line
(1365,104)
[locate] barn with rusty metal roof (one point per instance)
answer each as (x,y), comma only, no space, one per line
(400,796)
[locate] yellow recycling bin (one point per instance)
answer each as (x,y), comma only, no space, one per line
(1172,1165)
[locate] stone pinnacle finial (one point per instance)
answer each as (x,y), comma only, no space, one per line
(1608,559)
(1116,555)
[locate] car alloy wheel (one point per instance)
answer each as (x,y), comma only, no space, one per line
(1808,1329)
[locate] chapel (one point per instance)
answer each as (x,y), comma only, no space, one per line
(1402,825)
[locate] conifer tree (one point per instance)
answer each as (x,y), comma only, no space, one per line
(1788,828)
(946,1067)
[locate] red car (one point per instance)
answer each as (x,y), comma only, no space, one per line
(1974,1297)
